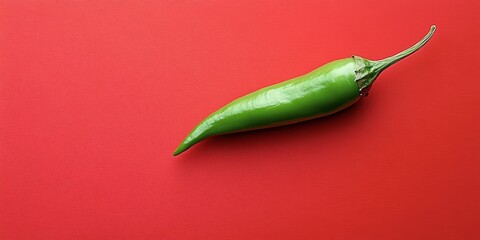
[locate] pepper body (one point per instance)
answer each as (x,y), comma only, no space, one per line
(325,90)
(321,92)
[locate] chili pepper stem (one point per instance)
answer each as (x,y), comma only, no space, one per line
(381,65)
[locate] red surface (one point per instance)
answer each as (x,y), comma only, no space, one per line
(96,95)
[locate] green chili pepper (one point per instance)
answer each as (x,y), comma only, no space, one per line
(325,90)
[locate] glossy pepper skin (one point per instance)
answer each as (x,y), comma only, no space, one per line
(326,90)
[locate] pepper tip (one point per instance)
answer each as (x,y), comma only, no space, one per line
(175,153)
(180,149)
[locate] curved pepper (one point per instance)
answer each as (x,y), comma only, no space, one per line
(326,90)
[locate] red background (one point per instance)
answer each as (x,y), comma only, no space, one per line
(96,95)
